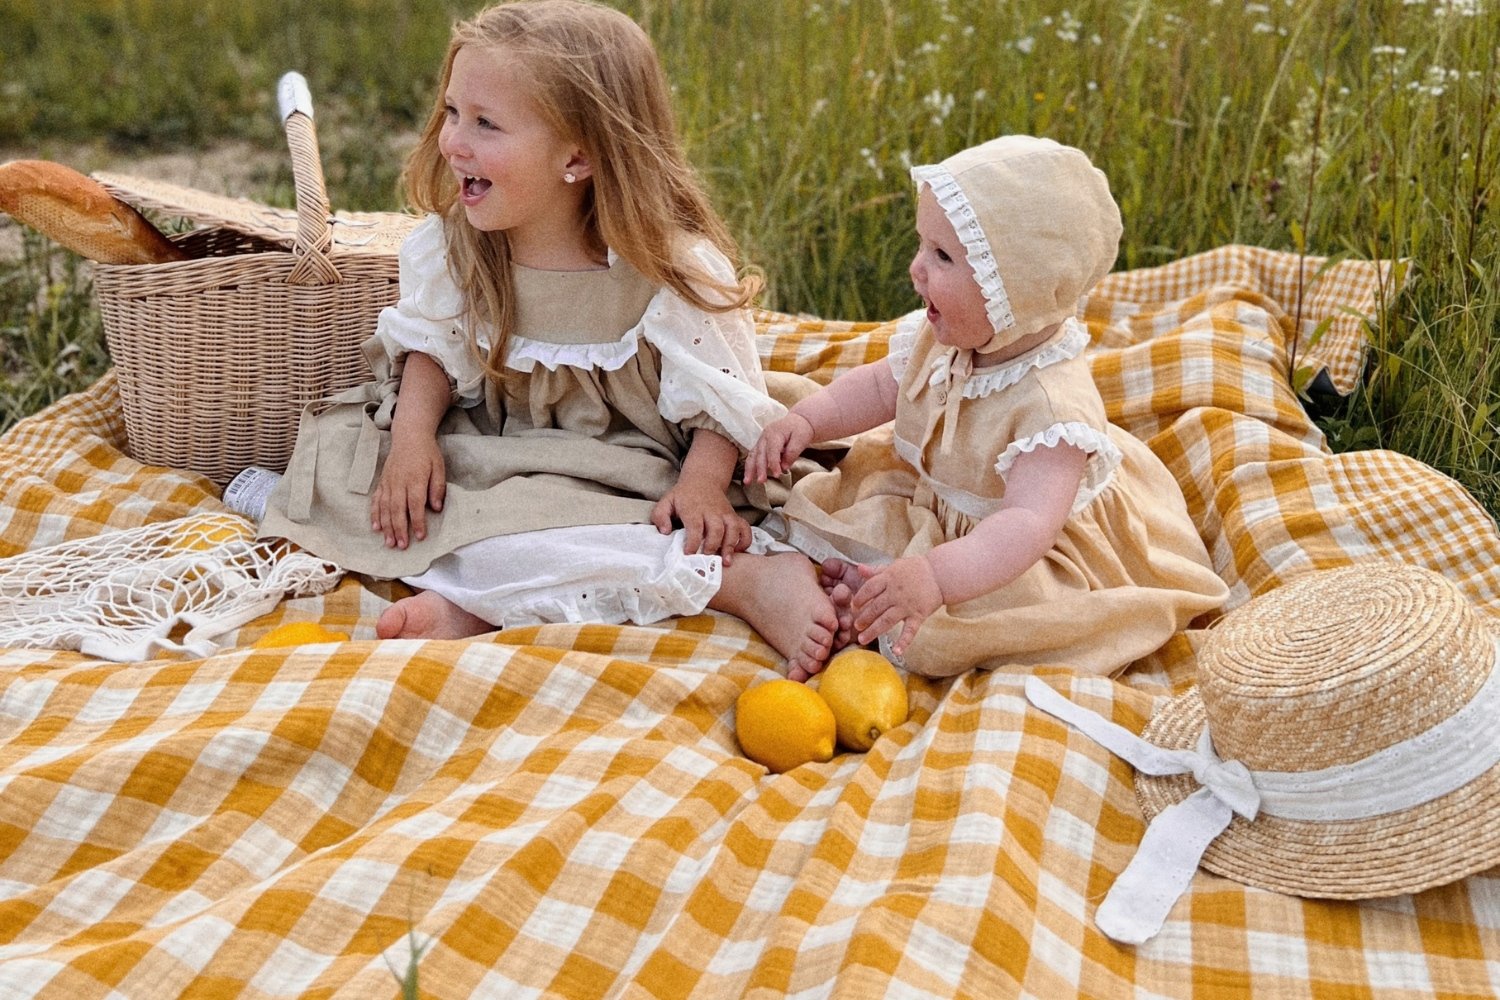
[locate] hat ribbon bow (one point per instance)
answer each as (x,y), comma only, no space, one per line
(1137,904)
(1402,775)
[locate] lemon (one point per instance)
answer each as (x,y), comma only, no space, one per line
(782,724)
(866,694)
(203,533)
(298,634)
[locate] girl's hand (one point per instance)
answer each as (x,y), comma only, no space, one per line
(413,479)
(779,445)
(905,592)
(711,523)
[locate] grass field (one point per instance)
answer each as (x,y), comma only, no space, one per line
(1361,128)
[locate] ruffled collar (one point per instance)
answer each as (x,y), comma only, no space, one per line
(951,375)
(1070,341)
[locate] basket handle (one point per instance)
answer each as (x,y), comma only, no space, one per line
(314,237)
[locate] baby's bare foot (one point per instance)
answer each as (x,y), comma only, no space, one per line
(839,580)
(782,600)
(428,615)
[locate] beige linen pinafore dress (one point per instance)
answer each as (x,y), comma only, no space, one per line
(610,376)
(1128,569)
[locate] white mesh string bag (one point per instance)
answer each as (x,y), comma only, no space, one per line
(170,587)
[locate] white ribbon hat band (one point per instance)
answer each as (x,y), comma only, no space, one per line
(1402,776)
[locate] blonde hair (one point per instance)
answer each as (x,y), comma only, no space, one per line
(597,81)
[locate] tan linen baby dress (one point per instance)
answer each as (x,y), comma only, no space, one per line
(1039,228)
(610,376)
(1128,569)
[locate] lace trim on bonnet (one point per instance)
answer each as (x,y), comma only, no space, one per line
(955,205)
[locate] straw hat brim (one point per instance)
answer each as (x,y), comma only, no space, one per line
(1388,855)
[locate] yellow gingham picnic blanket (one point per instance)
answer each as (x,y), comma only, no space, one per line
(562,811)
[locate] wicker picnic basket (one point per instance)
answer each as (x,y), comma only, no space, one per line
(217,355)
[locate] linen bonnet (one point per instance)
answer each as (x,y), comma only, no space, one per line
(1342,741)
(1037,223)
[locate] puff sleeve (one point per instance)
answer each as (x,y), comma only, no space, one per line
(1065,408)
(709,365)
(427,316)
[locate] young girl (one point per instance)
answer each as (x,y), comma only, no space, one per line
(569,370)
(1002,519)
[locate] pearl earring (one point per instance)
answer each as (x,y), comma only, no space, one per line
(570,177)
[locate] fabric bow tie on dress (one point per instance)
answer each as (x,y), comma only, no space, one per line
(947,375)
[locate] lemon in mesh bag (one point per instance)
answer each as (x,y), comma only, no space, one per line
(137,593)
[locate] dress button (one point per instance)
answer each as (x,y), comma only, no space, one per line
(941,396)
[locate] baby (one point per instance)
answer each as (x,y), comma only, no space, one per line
(1002,519)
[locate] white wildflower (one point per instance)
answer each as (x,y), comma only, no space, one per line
(1024,45)
(940,104)
(1068,26)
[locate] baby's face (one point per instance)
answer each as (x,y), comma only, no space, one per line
(941,274)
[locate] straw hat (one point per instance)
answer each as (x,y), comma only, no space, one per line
(1343,741)
(1038,225)
(1327,670)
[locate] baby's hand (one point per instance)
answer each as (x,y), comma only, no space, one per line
(414,477)
(905,592)
(708,518)
(779,445)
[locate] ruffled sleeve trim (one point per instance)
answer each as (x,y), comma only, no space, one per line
(1069,344)
(709,364)
(1104,456)
(955,205)
(426,316)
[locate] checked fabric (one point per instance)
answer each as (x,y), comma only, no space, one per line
(562,811)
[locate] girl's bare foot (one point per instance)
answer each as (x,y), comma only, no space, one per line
(780,598)
(428,615)
(840,580)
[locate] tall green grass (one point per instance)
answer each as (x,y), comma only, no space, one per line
(1365,128)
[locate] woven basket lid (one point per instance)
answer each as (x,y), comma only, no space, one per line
(1326,670)
(353,232)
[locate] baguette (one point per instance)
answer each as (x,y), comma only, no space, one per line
(77,212)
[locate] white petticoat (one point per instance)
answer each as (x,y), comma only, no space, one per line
(607,574)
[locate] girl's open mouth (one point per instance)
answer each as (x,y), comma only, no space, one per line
(473,189)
